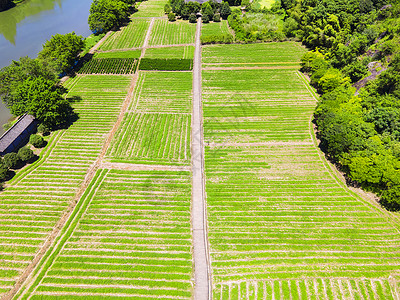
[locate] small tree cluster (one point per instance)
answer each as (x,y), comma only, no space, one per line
(211,10)
(37,141)
(13,160)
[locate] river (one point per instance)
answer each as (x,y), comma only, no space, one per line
(26,27)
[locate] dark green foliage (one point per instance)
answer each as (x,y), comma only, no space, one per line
(61,51)
(16,73)
(356,71)
(109,66)
(166,64)
(25,154)
(171,17)
(3,171)
(5,4)
(205,19)
(43,129)
(217,39)
(207,10)
(37,141)
(217,17)
(11,160)
(192,18)
(43,99)
(107,14)
(167,8)
(225,10)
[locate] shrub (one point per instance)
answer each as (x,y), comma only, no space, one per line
(171,17)
(43,129)
(25,154)
(11,160)
(192,18)
(3,172)
(225,10)
(217,17)
(206,19)
(166,64)
(37,141)
(167,8)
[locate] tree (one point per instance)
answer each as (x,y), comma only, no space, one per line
(206,19)
(185,12)
(25,154)
(11,160)
(167,8)
(106,14)
(192,18)
(19,71)
(225,10)
(42,99)
(37,141)
(332,79)
(217,17)
(171,17)
(207,10)
(60,52)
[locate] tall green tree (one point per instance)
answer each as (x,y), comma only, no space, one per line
(107,14)
(60,52)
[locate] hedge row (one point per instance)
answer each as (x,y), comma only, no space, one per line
(166,64)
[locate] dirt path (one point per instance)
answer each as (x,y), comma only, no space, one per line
(202,269)
(147,38)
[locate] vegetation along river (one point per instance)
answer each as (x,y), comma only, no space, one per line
(26,27)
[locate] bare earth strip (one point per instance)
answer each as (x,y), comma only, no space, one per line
(141,167)
(202,269)
(252,68)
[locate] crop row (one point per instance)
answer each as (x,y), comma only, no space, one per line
(317,288)
(255,106)
(31,206)
(109,66)
(179,52)
(276,215)
(150,8)
(131,36)
(167,33)
(162,138)
(252,53)
(133,240)
(166,64)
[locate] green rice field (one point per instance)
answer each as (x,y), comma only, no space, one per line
(215,28)
(157,127)
(131,36)
(172,33)
(150,8)
(132,241)
(180,52)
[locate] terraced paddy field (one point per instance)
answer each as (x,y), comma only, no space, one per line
(156,128)
(38,197)
(131,36)
(132,240)
(281,225)
(172,33)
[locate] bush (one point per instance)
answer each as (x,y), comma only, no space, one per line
(37,141)
(217,39)
(206,19)
(3,172)
(167,8)
(43,129)
(171,17)
(192,18)
(217,17)
(166,64)
(225,10)
(25,154)
(11,160)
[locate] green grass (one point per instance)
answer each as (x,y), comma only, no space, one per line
(185,52)
(146,257)
(131,36)
(280,225)
(215,28)
(118,54)
(252,53)
(150,8)
(157,127)
(172,33)
(34,203)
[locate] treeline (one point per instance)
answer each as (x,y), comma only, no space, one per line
(355,64)
(108,14)
(6,4)
(210,10)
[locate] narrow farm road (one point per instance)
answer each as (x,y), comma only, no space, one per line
(202,271)
(147,38)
